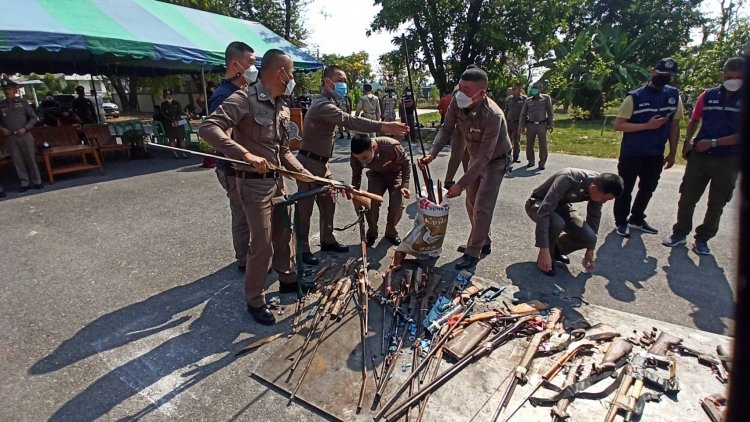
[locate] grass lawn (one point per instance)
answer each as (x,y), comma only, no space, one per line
(574,137)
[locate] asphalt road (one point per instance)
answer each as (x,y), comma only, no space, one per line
(121,299)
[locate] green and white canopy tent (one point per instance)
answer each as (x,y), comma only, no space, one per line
(126,37)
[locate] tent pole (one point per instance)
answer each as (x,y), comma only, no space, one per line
(33,92)
(96,102)
(205,96)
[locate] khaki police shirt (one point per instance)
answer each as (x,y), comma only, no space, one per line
(513,108)
(259,125)
(567,186)
(16,114)
(486,134)
(389,105)
(321,120)
(537,109)
(390,159)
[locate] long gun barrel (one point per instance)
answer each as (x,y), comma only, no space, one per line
(478,352)
(426,171)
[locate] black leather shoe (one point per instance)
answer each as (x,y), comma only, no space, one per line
(486,249)
(38,186)
(262,315)
(292,287)
(395,240)
(563,259)
(23,189)
(334,247)
(370,241)
(516,160)
(530,164)
(466,262)
(309,259)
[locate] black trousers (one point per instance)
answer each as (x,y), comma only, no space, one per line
(647,170)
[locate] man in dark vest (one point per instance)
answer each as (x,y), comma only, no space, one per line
(648,117)
(712,156)
(241,72)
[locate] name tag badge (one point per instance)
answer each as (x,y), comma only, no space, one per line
(472,130)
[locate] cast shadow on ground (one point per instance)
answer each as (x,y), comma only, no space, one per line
(202,348)
(705,285)
(563,291)
(114,169)
(520,170)
(625,264)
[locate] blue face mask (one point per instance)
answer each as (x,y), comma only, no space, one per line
(340,89)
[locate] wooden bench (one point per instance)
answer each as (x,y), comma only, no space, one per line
(100,137)
(65,141)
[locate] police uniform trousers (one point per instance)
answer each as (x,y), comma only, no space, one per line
(176,133)
(578,234)
(379,183)
(23,154)
(534,131)
(240,228)
(326,206)
(371,117)
(701,169)
(515,138)
(459,155)
(481,196)
(270,236)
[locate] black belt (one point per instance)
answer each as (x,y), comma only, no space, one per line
(313,155)
(253,175)
(538,123)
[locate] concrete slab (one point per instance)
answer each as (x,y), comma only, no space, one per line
(121,299)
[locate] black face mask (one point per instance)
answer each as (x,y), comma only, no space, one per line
(661,79)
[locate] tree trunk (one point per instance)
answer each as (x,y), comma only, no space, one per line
(288,21)
(472,20)
(119,83)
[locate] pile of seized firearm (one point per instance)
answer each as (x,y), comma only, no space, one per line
(428,320)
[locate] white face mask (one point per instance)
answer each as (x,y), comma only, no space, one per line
(463,100)
(290,87)
(251,74)
(733,84)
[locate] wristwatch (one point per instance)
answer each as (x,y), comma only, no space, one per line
(713,143)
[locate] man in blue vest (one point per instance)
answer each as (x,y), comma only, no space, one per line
(241,72)
(712,156)
(648,117)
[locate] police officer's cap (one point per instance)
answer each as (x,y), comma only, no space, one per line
(666,65)
(8,83)
(167,92)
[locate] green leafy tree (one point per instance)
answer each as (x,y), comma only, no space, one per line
(724,37)
(451,34)
(597,67)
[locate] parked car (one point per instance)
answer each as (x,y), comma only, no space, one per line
(111,109)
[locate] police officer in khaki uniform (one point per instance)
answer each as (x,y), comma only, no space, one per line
(482,123)
(171,114)
(317,148)
(513,106)
(369,105)
(16,120)
(389,103)
(260,122)
(536,120)
(388,170)
(550,208)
